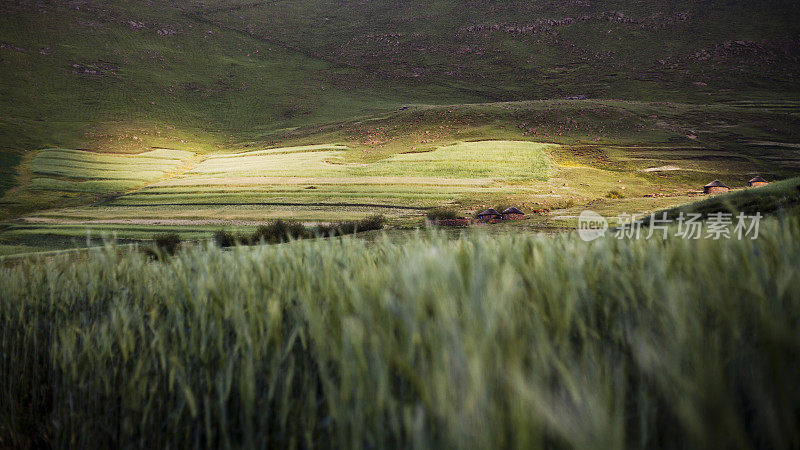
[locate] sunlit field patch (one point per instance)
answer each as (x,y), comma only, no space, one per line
(300,164)
(500,159)
(84,171)
(321,183)
(486,159)
(307,182)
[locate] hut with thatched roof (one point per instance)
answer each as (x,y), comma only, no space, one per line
(757,181)
(489,216)
(715,187)
(512,214)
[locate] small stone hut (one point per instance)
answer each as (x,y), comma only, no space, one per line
(757,181)
(512,214)
(715,187)
(490,215)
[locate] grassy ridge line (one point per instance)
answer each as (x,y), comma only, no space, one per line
(266,203)
(212,183)
(595,123)
(299,186)
(512,342)
(84,163)
(308,198)
(92,174)
(776,197)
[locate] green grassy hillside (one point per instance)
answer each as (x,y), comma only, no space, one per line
(127,75)
(676,50)
(677,94)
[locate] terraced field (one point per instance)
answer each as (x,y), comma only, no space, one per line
(194,194)
(309,183)
(67,170)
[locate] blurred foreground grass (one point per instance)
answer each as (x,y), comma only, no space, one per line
(480,342)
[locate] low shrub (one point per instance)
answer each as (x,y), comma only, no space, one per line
(614,193)
(370,223)
(280,231)
(167,242)
(442,214)
(224,238)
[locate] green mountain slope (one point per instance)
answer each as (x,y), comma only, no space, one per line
(510,50)
(115,71)
(385,78)
(222,70)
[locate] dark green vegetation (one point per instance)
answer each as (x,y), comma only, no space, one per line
(442,214)
(8,164)
(481,342)
(279,231)
(167,243)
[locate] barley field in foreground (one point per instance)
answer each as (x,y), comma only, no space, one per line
(478,342)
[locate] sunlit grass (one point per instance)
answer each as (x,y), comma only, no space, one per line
(84,171)
(293,164)
(487,159)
